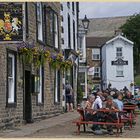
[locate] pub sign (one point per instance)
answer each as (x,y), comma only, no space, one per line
(11,22)
(119,61)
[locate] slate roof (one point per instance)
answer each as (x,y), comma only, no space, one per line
(105,27)
(96,41)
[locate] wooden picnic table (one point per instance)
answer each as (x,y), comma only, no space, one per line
(130,110)
(82,121)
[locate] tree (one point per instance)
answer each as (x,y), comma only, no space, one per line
(131,30)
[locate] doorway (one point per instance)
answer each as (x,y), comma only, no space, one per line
(27,98)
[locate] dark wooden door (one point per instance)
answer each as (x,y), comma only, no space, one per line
(27,98)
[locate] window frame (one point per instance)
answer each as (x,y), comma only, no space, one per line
(50,26)
(57,87)
(96,54)
(41,22)
(40,95)
(97,72)
(120,52)
(14,102)
(69,32)
(122,70)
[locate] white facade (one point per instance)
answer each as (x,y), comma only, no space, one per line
(83,69)
(69,13)
(119,75)
(65,11)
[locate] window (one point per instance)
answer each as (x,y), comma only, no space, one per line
(119,52)
(57,86)
(74,34)
(26,18)
(62,29)
(61,7)
(119,71)
(95,54)
(56,30)
(40,86)
(97,72)
(73,7)
(69,32)
(11,78)
(81,48)
(62,19)
(39,22)
(62,41)
(52,28)
(68,4)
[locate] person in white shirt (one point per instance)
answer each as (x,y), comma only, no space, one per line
(98,103)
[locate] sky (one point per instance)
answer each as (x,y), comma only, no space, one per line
(108,9)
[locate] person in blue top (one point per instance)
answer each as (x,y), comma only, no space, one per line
(118,100)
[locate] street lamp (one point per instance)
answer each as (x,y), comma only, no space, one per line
(85,23)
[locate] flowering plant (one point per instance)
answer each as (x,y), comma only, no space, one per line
(66,64)
(37,56)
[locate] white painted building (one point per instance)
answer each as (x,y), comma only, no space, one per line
(69,42)
(117,66)
(82,61)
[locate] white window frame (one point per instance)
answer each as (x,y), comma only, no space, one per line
(56,85)
(119,71)
(119,53)
(56,30)
(40,94)
(96,54)
(97,72)
(11,86)
(39,21)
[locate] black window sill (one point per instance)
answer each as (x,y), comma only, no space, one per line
(119,76)
(96,59)
(96,78)
(11,105)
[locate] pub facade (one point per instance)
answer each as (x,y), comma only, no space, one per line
(31,57)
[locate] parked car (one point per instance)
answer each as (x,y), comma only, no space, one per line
(137,89)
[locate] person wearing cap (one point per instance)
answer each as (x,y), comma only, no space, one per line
(109,104)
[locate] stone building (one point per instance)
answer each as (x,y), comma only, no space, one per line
(94,60)
(28,92)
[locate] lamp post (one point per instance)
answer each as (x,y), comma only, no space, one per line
(83,29)
(85,23)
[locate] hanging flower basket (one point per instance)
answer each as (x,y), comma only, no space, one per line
(67,64)
(132,84)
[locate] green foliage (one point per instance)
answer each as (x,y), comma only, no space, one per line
(137,80)
(131,30)
(79,94)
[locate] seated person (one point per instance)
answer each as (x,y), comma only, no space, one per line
(118,101)
(88,105)
(91,114)
(109,104)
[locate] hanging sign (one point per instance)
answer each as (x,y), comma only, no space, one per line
(11,22)
(119,61)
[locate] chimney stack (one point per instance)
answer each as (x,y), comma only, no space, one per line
(118,32)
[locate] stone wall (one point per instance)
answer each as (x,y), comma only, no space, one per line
(10,116)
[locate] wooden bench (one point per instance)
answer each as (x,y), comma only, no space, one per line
(129,114)
(82,121)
